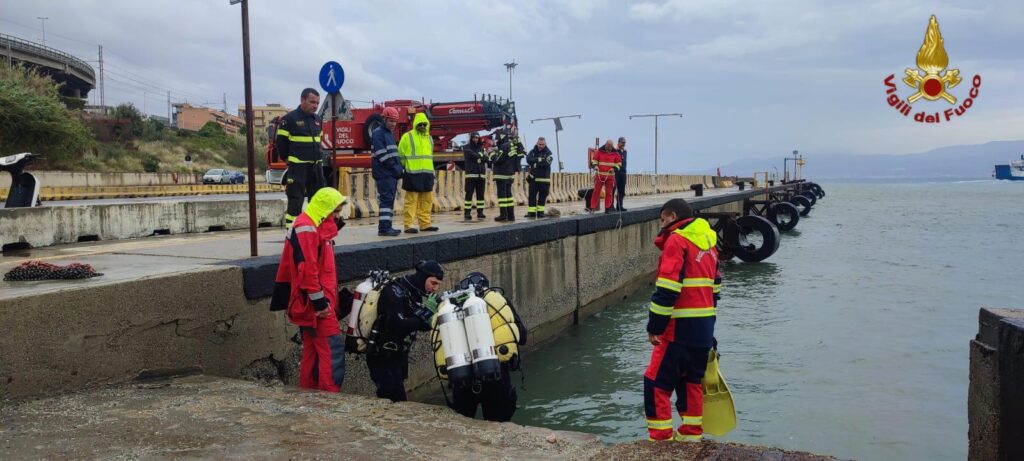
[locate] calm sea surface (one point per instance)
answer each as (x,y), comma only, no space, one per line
(852,340)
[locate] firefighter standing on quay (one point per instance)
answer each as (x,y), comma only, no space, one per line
(539,177)
(298,143)
(606,161)
(681,323)
(476,176)
(416,152)
(506,161)
(387,170)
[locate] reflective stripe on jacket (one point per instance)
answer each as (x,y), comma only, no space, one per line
(298,137)
(606,162)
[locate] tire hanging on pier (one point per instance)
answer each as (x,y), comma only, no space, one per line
(784,215)
(801,204)
(810,196)
(817,190)
(737,237)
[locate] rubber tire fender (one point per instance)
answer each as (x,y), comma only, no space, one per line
(810,196)
(818,190)
(736,238)
(371,123)
(801,204)
(778,209)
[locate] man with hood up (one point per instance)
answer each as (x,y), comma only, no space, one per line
(539,177)
(416,152)
(307,286)
(406,305)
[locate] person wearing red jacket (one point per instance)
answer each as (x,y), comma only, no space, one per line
(306,287)
(606,161)
(681,322)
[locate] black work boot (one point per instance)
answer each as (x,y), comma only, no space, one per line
(511,216)
(501,215)
(480,213)
(468,215)
(540,214)
(531,214)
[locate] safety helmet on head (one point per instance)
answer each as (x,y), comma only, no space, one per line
(390,113)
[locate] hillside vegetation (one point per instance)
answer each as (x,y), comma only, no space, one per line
(34,118)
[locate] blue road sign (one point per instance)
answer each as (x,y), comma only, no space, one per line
(332,76)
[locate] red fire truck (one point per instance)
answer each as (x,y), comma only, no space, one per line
(346,141)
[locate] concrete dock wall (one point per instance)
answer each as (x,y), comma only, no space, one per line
(995,397)
(216,321)
(45,226)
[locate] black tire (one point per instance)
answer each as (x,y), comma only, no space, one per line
(371,123)
(784,215)
(737,233)
(810,196)
(801,204)
(817,190)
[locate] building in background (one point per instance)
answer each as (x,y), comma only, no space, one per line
(190,118)
(262,115)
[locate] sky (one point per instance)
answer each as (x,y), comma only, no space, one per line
(752,79)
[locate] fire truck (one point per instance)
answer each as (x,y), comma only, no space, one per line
(345,141)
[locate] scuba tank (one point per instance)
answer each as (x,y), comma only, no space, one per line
(480,337)
(503,325)
(357,302)
(452,359)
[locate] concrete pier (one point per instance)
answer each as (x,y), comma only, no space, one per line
(995,402)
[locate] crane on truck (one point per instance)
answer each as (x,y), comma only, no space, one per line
(346,130)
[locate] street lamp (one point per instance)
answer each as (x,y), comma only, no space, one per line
(511,67)
(250,148)
(42,23)
(656,117)
(558,127)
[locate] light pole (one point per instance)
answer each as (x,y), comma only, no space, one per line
(250,148)
(42,23)
(656,117)
(558,127)
(511,67)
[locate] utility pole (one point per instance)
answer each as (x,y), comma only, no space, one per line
(169,121)
(103,99)
(558,127)
(656,117)
(225,103)
(511,67)
(250,149)
(42,22)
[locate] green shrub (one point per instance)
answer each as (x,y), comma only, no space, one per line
(150,164)
(32,118)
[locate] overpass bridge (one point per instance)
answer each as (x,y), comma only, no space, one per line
(76,75)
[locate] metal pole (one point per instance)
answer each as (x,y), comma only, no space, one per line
(558,122)
(558,152)
(250,149)
(42,21)
(168,108)
(103,98)
(656,154)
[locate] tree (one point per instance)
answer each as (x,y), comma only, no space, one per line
(127,111)
(32,118)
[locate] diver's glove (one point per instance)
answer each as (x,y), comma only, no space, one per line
(431,303)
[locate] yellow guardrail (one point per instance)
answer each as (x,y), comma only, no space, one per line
(105,192)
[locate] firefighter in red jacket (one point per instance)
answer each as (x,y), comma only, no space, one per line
(307,286)
(607,161)
(681,323)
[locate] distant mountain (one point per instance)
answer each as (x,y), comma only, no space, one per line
(972,161)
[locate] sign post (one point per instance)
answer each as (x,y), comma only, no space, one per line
(332,77)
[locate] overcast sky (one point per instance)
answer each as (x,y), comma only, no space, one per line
(753,78)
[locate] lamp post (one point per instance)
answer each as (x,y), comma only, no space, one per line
(656,117)
(511,67)
(250,148)
(42,24)
(558,127)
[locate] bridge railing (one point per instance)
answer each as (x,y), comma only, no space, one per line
(10,42)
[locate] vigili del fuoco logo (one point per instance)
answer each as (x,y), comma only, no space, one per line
(932,81)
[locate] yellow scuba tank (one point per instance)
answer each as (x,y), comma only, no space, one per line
(503,324)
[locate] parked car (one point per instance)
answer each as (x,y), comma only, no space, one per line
(217,176)
(237,177)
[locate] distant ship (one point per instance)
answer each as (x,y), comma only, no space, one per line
(1014,171)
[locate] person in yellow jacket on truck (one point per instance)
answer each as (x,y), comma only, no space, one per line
(416,152)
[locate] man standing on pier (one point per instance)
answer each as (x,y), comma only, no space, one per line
(416,152)
(298,142)
(386,171)
(681,323)
(620,176)
(539,160)
(605,162)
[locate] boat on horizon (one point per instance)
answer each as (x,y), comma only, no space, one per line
(1013,172)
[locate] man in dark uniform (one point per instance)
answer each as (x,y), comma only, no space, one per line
(386,170)
(476,177)
(298,142)
(406,305)
(620,176)
(539,177)
(506,160)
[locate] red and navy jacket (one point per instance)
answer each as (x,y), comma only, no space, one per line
(307,280)
(682,307)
